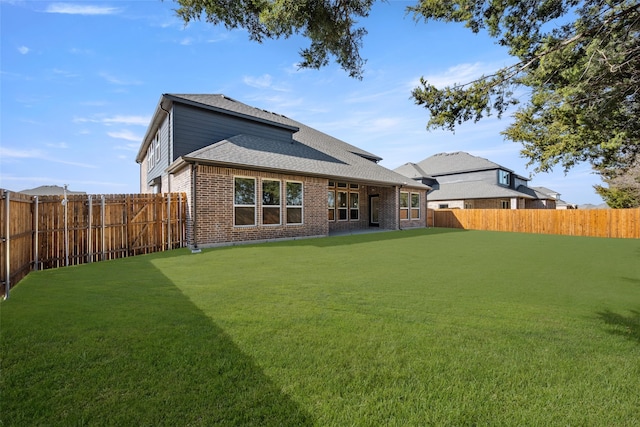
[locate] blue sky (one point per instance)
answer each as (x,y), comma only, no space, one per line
(81,79)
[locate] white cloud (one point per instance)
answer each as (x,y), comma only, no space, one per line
(125,134)
(9,153)
(24,50)
(81,9)
(61,145)
(261,82)
(128,120)
(127,147)
(118,81)
(116,120)
(458,74)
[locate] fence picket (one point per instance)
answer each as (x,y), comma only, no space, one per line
(615,223)
(40,232)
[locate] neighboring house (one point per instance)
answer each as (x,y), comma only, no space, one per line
(460,180)
(555,196)
(253,175)
(50,190)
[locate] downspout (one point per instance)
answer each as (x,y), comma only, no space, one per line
(194,198)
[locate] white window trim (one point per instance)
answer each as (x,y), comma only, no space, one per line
(262,205)
(334,208)
(339,208)
(287,206)
(411,208)
(353,209)
(408,208)
(254,206)
(158,150)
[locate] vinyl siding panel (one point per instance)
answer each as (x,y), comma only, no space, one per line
(195,128)
(161,162)
(490,176)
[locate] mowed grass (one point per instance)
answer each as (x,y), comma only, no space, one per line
(422,327)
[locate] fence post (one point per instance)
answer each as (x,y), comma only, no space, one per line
(89,231)
(65,202)
(102,227)
(36,244)
(180,221)
(7,241)
(168,221)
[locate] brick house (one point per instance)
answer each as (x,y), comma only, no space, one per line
(462,181)
(253,175)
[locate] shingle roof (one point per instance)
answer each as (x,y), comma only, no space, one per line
(476,190)
(311,151)
(412,171)
(449,163)
(49,190)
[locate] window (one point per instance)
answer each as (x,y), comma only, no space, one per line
(342,205)
(156,143)
(505,204)
(354,186)
(443,206)
(150,158)
(415,205)
(270,202)
(468,205)
(331,198)
(404,205)
(354,206)
(503,177)
(244,201)
(294,203)
(342,185)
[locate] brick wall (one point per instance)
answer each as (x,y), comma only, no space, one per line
(214,218)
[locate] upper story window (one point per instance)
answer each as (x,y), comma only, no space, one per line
(150,156)
(156,144)
(504,177)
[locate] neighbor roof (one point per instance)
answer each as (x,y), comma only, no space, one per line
(476,190)
(49,190)
(458,162)
(311,152)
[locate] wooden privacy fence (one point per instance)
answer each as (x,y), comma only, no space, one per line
(53,231)
(619,223)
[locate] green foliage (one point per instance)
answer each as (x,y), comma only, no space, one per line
(354,330)
(329,25)
(582,76)
(619,198)
(624,187)
(583,79)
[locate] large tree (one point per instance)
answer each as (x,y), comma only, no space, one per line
(577,61)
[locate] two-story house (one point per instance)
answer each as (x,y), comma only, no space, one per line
(254,175)
(461,180)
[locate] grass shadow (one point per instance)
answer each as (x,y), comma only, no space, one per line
(123,346)
(624,326)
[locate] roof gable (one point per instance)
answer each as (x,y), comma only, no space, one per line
(458,162)
(310,152)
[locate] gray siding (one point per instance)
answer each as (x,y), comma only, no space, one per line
(490,176)
(160,163)
(195,128)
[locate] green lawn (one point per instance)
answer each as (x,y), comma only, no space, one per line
(407,328)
